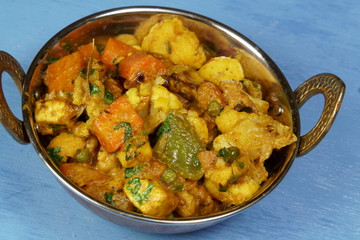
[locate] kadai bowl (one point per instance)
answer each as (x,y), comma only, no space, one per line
(163,120)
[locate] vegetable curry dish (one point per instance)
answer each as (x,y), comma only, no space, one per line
(155,122)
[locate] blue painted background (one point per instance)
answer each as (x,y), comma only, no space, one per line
(318,199)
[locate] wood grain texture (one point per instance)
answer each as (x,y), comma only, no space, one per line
(318,199)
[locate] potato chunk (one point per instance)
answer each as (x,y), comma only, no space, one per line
(235,194)
(150,197)
(67,144)
(172,39)
(135,151)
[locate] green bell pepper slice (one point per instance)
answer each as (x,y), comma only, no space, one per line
(178,145)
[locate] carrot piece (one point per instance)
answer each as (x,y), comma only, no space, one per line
(114,49)
(86,51)
(61,74)
(115,124)
(139,67)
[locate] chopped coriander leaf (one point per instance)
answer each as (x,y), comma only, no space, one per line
(147,192)
(168,47)
(134,188)
(165,127)
(129,172)
(67,46)
(54,155)
(84,71)
(94,89)
(52,60)
(109,198)
(127,126)
(240,164)
(56,127)
(234,178)
(128,146)
(100,47)
(130,155)
(223,189)
(109,97)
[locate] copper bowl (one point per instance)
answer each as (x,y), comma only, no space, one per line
(284,102)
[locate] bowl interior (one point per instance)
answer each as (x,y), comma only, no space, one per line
(225,41)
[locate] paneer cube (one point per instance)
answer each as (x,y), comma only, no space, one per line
(135,151)
(150,197)
(55,112)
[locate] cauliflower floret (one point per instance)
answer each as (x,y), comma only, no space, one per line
(172,39)
(106,161)
(81,90)
(228,181)
(161,102)
(220,69)
(228,118)
(199,125)
(236,95)
(256,135)
(133,97)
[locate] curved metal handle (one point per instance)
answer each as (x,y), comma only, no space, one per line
(14,126)
(333,89)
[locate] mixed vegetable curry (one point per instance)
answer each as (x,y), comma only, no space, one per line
(154,122)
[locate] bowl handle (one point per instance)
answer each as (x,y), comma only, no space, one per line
(14,126)
(333,89)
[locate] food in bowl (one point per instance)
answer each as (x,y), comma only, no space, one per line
(157,122)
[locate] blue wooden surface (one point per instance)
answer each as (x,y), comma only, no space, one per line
(318,199)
